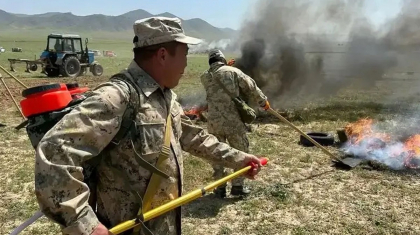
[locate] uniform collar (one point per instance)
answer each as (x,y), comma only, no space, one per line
(146,83)
(216,65)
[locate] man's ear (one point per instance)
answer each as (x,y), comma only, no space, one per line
(162,55)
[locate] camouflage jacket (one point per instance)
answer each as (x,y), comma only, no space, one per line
(223,117)
(87,130)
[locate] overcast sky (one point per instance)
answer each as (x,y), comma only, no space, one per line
(220,13)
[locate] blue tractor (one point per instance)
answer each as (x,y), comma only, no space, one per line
(65,56)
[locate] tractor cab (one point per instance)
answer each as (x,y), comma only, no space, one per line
(58,45)
(65,55)
(64,43)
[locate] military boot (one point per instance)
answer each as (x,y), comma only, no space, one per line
(240,190)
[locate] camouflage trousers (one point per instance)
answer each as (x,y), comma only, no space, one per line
(238,141)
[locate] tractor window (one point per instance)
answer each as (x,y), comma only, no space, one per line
(67,45)
(55,44)
(77,45)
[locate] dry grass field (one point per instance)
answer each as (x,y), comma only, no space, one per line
(298,192)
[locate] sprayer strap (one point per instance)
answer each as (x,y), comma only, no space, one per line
(131,112)
(154,182)
(155,179)
(223,86)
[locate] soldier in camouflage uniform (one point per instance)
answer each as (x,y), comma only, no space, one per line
(160,57)
(223,118)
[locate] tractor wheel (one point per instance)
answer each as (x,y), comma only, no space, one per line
(97,70)
(52,72)
(33,67)
(70,67)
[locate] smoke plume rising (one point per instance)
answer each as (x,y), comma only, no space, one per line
(204,47)
(193,99)
(297,50)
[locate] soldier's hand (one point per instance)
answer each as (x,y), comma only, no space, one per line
(251,159)
(101,230)
(266,105)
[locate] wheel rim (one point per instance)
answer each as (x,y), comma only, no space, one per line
(98,69)
(34,67)
(72,68)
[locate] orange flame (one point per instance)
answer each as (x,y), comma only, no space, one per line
(413,144)
(361,130)
(195,111)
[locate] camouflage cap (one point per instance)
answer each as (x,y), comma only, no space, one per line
(156,30)
(216,53)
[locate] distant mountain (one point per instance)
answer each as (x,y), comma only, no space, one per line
(65,22)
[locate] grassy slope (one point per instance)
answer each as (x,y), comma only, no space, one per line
(285,200)
(96,26)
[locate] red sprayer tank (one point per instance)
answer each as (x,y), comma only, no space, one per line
(75,89)
(47,98)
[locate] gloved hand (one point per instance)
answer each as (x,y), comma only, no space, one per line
(266,105)
(101,230)
(231,62)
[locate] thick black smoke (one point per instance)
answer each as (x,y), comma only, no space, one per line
(298,50)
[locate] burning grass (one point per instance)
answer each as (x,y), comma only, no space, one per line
(195,112)
(368,141)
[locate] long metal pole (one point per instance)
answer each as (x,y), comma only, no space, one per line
(272,111)
(122,227)
(28,222)
(12,76)
(10,93)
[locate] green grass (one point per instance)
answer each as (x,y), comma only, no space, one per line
(32,49)
(296,193)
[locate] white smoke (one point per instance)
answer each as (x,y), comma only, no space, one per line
(391,154)
(205,46)
(391,142)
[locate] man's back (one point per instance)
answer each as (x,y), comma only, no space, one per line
(221,109)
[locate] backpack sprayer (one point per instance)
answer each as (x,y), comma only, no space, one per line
(48,98)
(40,105)
(45,105)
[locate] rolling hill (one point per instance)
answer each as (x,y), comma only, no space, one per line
(120,26)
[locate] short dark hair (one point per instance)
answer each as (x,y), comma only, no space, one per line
(147,52)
